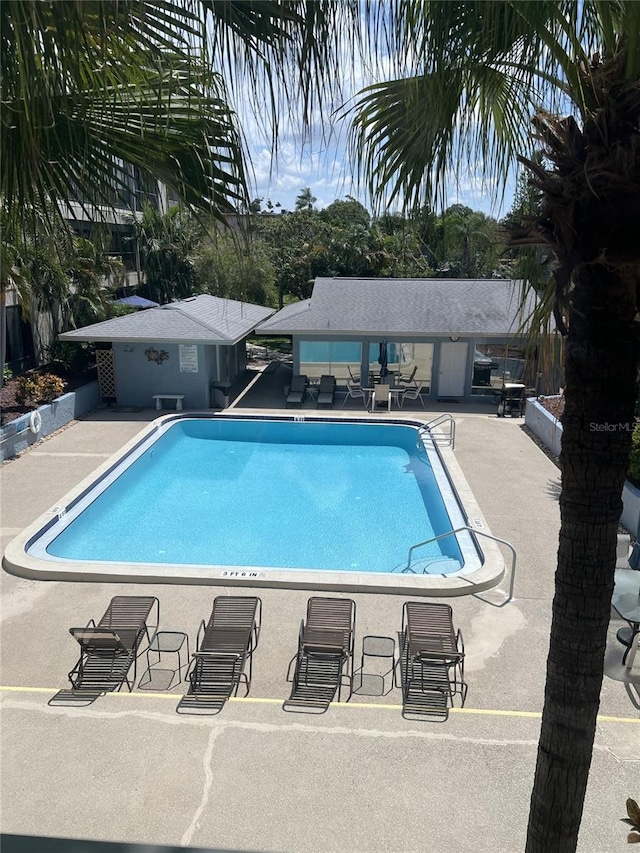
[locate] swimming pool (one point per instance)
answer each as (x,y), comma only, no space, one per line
(283,501)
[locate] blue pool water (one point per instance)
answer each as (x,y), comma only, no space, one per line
(309,495)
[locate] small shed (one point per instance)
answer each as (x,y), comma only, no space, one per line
(460,338)
(189,347)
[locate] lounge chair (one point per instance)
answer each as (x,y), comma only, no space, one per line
(431,658)
(297,391)
(108,649)
(325,653)
(224,646)
(326,391)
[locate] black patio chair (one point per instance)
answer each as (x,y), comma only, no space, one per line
(297,391)
(325,654)
(431,659)
(327,391)
(110,648)
(224,646)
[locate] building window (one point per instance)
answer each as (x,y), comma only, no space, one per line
(494,364)
(402,358)
(335,358)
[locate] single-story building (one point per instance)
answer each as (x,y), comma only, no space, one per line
(183,348)
(464,337)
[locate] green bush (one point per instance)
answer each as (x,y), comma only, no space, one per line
(37,388)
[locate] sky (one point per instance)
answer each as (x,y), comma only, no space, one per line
(322,163)
(330,176)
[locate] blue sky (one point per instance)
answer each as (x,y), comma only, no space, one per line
(329,174)
(322,162)
(326,169)
(324,166)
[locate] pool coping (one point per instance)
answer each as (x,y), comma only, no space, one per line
(17,561)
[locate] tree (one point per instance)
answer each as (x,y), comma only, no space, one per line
(88,88)
(166,243)
(305,199)
(235,269)
(491,81)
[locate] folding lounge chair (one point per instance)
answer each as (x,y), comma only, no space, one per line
(297,391)
(224,646)
(325,653)
(108,649)
(431,659)
(326,391)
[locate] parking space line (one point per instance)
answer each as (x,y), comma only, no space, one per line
(257,700)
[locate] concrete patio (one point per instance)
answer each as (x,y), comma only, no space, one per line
(128,770)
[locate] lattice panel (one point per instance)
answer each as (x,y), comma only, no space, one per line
(106,373)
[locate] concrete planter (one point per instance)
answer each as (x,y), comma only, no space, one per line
(543,425)
(549,430)
(17,435)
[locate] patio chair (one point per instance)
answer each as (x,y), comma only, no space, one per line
(381,397)
(412,394)
(297,391)
(354,377)
(407,380)
(326,391)
(325,654)
(108,649)
(431,659)
(224,646)
(356,391)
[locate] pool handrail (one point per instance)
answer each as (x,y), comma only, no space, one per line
(446,438)
(474,531)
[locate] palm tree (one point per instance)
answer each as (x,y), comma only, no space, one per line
(305,199)
(90,87)
(92,91)
(495,80)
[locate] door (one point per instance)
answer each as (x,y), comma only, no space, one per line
(453,369)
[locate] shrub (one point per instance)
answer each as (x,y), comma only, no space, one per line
(36,388)
(50,387)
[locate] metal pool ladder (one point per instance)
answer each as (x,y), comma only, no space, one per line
(473,530)
(446,438)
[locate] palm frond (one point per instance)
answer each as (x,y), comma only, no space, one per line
(88,86)
(470,76)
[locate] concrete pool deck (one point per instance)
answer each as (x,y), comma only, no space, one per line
(254,778)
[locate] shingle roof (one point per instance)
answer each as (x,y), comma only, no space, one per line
(426,306)
(199,319)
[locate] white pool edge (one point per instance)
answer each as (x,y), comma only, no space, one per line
(19,562)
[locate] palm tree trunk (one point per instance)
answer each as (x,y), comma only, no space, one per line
(600,396)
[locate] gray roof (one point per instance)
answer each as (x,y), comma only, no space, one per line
(418,306)
(199,319)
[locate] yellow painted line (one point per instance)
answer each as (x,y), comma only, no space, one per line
(256,700)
